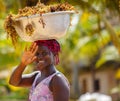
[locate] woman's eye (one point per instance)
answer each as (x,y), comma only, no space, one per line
(44,53)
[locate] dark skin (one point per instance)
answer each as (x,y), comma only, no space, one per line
(44,60)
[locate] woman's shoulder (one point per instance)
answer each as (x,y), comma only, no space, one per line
(60,80)
(60,87)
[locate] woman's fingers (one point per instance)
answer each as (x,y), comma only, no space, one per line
(35,50)
(30,49)
(34,47)
(34,58)
(30,58)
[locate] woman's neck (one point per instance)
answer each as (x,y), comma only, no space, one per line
(48,70)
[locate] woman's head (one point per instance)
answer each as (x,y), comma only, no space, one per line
(48,52)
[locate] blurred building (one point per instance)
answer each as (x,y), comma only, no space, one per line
(103,80)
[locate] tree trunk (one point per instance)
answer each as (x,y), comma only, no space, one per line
(75,83)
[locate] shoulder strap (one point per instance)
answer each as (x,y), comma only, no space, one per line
(38,75)
(50,77)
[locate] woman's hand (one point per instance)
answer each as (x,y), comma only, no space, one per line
(29,54)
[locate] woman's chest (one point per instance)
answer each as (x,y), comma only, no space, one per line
(39,80)
(42,86)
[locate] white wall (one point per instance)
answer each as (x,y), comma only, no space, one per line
(107,80)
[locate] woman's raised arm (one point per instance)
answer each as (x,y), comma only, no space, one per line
(28,57)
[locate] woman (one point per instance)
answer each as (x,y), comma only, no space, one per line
(47,84)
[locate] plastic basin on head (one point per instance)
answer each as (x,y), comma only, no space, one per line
(56,25)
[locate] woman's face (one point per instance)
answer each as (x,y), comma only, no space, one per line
(44,58)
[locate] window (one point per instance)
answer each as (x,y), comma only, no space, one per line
(97,85)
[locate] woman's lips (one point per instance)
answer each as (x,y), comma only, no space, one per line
(41,62)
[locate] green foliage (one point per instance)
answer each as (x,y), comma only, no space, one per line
(109,54)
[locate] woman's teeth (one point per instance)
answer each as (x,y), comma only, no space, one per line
(41,62)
